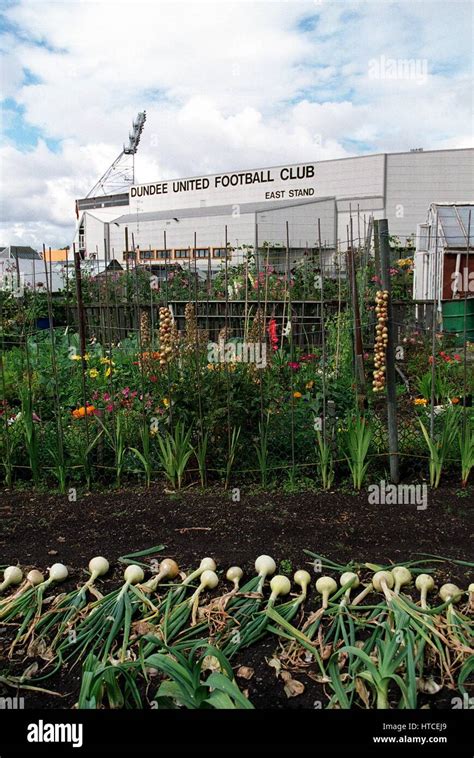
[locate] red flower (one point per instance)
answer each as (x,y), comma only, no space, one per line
(294,365)
(457,357)
(272,333)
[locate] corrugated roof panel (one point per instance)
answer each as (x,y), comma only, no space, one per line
(218,210)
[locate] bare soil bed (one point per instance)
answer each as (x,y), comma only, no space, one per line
(38,529)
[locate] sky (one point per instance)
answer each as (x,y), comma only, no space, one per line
(226,85)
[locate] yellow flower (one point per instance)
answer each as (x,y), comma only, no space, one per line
(93,373)
(86,356)
(75,357)
(420,401)
(309,385)
(297,395)
(166,402)
(108,371)
(105,360)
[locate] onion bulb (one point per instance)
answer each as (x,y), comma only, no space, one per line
(401,576)
(345,578)
(209,580)
(264,566)
(326,586)
(279,585)
(302,578)
(168,569)
(133,574)
(35,577)
(383,582)
(450,593)
(234,574)
(11,575)
(58,573)
(207,564)
(98,566)
(424,583)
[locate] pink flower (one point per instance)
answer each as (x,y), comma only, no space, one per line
(109,407)
(106,396)
(294,365)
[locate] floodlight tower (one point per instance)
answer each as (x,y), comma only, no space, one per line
(121,174)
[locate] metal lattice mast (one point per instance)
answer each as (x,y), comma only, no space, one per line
(121,174)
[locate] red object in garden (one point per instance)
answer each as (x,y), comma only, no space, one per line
(272,333)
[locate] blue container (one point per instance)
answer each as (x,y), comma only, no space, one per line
(42,323)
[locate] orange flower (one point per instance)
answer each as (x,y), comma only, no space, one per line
(455,400)
(297,395)
(420,401)
(81,412)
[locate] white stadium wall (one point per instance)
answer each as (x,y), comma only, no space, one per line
(415,180)
(398,186)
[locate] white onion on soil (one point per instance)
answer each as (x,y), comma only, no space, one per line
(345,578)
(234,574)
(209,581)
(133,574)
(326,586)
(279,585)
(424,583)
(35,577)
(207,564)
(302,578)
(401,576)
(264,566)
(383,582)
(58,572)
(11,575)
(450,593)
(98,566)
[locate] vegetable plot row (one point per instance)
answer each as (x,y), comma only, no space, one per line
(373,636)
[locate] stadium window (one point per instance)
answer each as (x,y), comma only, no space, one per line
(220,252)
(182,253)
(201,252)
(146,255)
(163,254)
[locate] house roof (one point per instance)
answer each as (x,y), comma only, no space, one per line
(22,252)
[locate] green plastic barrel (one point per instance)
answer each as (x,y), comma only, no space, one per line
(455,312)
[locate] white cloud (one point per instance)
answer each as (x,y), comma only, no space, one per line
(225,85)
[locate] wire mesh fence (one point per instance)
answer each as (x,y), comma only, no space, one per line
(262,370)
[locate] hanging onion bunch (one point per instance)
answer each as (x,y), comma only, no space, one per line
(381,340)
(168,336)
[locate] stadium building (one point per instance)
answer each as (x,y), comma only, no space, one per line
(199,218)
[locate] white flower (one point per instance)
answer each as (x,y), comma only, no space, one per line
(287,329)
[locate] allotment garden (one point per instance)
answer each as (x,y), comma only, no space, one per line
(199,509)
